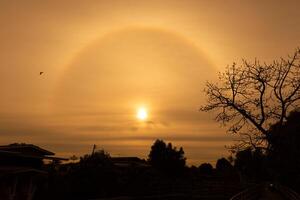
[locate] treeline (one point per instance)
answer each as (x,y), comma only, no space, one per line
(98,175)
(165,171)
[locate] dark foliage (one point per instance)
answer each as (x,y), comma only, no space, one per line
(206,168)
(98,175)
(93,176)
(166,157)
(98,158)
(252,164)
(281,162)
(285,140)
(284,155)
(223,165)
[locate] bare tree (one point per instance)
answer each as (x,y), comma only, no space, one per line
(253,96)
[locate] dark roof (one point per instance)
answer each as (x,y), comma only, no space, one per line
(16,147)
(126,159)
(129,161)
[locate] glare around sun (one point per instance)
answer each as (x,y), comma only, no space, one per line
(142,114)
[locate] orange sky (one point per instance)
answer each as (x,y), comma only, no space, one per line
(104,59)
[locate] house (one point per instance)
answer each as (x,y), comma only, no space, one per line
(28,149)
(21,172)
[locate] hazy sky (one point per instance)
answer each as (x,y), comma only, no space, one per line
(102,60)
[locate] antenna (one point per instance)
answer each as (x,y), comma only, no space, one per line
(94,148)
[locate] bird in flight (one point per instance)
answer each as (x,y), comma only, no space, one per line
(41,73)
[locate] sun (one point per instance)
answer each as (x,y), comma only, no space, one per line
(142,114)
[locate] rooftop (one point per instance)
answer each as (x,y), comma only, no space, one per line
(25,148)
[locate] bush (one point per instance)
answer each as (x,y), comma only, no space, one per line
(166,157)
(206,168)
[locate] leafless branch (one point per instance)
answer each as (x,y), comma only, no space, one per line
(253,96)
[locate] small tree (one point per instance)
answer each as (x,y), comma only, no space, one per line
(94,176)
(206,168)
(166,157)
(251,163)
(253,96)
(98,158)
(223,165)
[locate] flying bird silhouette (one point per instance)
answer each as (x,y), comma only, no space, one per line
(41,73)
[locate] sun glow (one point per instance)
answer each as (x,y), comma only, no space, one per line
(142,113)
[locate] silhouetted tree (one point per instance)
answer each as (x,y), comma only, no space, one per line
(253,96)
(206,168)
(94,176)
(284,152)
(223,165)
(98,158)
(251,164)
(166,158)
(284,139)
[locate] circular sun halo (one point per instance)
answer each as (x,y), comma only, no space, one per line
(142,114)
